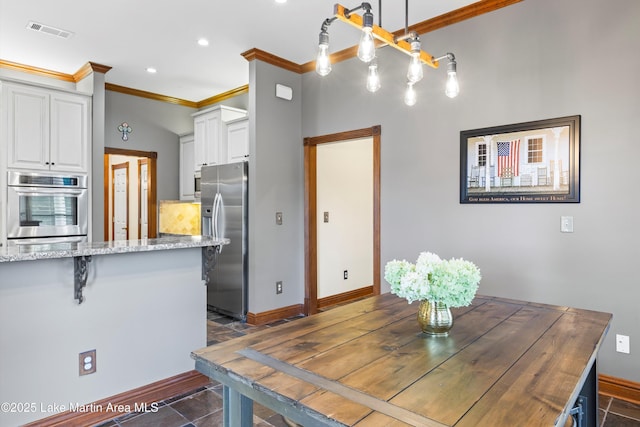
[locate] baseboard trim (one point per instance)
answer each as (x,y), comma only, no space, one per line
(155,392)
(345,297)
(282,313)
(619,388)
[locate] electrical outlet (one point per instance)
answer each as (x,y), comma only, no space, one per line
(346,274)
(622,343)
(87,362)
(279,287)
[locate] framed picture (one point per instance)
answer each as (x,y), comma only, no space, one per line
(533,162)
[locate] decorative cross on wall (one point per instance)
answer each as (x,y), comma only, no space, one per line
(125,129)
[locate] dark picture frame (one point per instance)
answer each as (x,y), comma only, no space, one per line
(531,162)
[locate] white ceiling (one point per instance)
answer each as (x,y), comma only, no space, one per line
(131,35)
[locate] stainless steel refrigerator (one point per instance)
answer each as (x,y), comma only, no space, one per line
(224,214)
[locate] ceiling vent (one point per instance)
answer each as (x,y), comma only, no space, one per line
(35,26)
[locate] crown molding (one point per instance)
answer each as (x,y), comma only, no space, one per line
(36,71)
(149,95)
(269,58)
(221,97)
(88,68)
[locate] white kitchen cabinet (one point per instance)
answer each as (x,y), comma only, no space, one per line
(210,134)
(238,140)
(47,129)
(187,167)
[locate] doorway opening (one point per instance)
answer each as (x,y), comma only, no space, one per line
(142,194)
(313,219)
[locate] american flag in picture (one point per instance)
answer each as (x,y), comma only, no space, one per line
(509,156)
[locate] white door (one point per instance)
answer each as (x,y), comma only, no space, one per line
(120,175)
(144,199)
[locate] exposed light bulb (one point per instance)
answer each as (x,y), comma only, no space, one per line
(367,48)
(373,79)
(410,96)
(323,65)
(415,73)
(452,88)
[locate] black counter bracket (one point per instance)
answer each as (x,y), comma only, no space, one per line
(80,274)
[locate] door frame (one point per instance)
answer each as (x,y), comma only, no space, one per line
(310,208)
(115,167)
(151,179)
(144,161)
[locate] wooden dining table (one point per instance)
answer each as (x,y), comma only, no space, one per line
(504,363)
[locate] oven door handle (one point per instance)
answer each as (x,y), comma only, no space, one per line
(48,240)
(29,191)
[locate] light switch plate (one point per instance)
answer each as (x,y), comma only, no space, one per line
(566,224)
(622,343)
(278,218)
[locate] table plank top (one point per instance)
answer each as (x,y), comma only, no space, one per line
(368,363)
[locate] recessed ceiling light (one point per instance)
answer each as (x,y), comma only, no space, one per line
(281,1)
(203,42)
(151,70)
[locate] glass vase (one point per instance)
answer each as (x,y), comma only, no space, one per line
(435,318)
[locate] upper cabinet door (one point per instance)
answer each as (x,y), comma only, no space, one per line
(206,130)
(212,140)
(210,134)
(47,129)
(238,140)
(27,127)
(70,133)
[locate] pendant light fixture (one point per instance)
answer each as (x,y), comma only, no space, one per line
(409,43)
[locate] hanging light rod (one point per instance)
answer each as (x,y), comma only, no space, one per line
(345,15)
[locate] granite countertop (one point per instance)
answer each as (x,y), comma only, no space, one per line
(10,254)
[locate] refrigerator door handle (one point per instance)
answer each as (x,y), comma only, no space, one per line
(216,217)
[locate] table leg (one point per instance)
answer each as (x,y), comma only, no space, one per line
(238,409)
(590,393)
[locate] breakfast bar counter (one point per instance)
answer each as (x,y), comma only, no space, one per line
(18,253)
(140,304)
(504,363)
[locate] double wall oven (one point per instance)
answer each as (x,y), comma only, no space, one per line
(45,209)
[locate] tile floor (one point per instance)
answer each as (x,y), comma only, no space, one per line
(203,407)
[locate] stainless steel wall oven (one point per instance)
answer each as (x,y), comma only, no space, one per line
(45,206)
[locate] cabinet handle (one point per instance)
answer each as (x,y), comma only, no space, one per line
(46,163)
(52,163)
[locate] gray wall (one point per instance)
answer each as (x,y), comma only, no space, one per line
(532,60)
(276,252)
(156,127)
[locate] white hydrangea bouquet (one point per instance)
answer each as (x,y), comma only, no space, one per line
(451,282)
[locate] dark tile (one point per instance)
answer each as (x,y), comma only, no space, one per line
(626,409)
(198,405)
(224,320)
(165,417)
(262,411)
(182,396)
(603,402)
(614,420)
(212,420)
